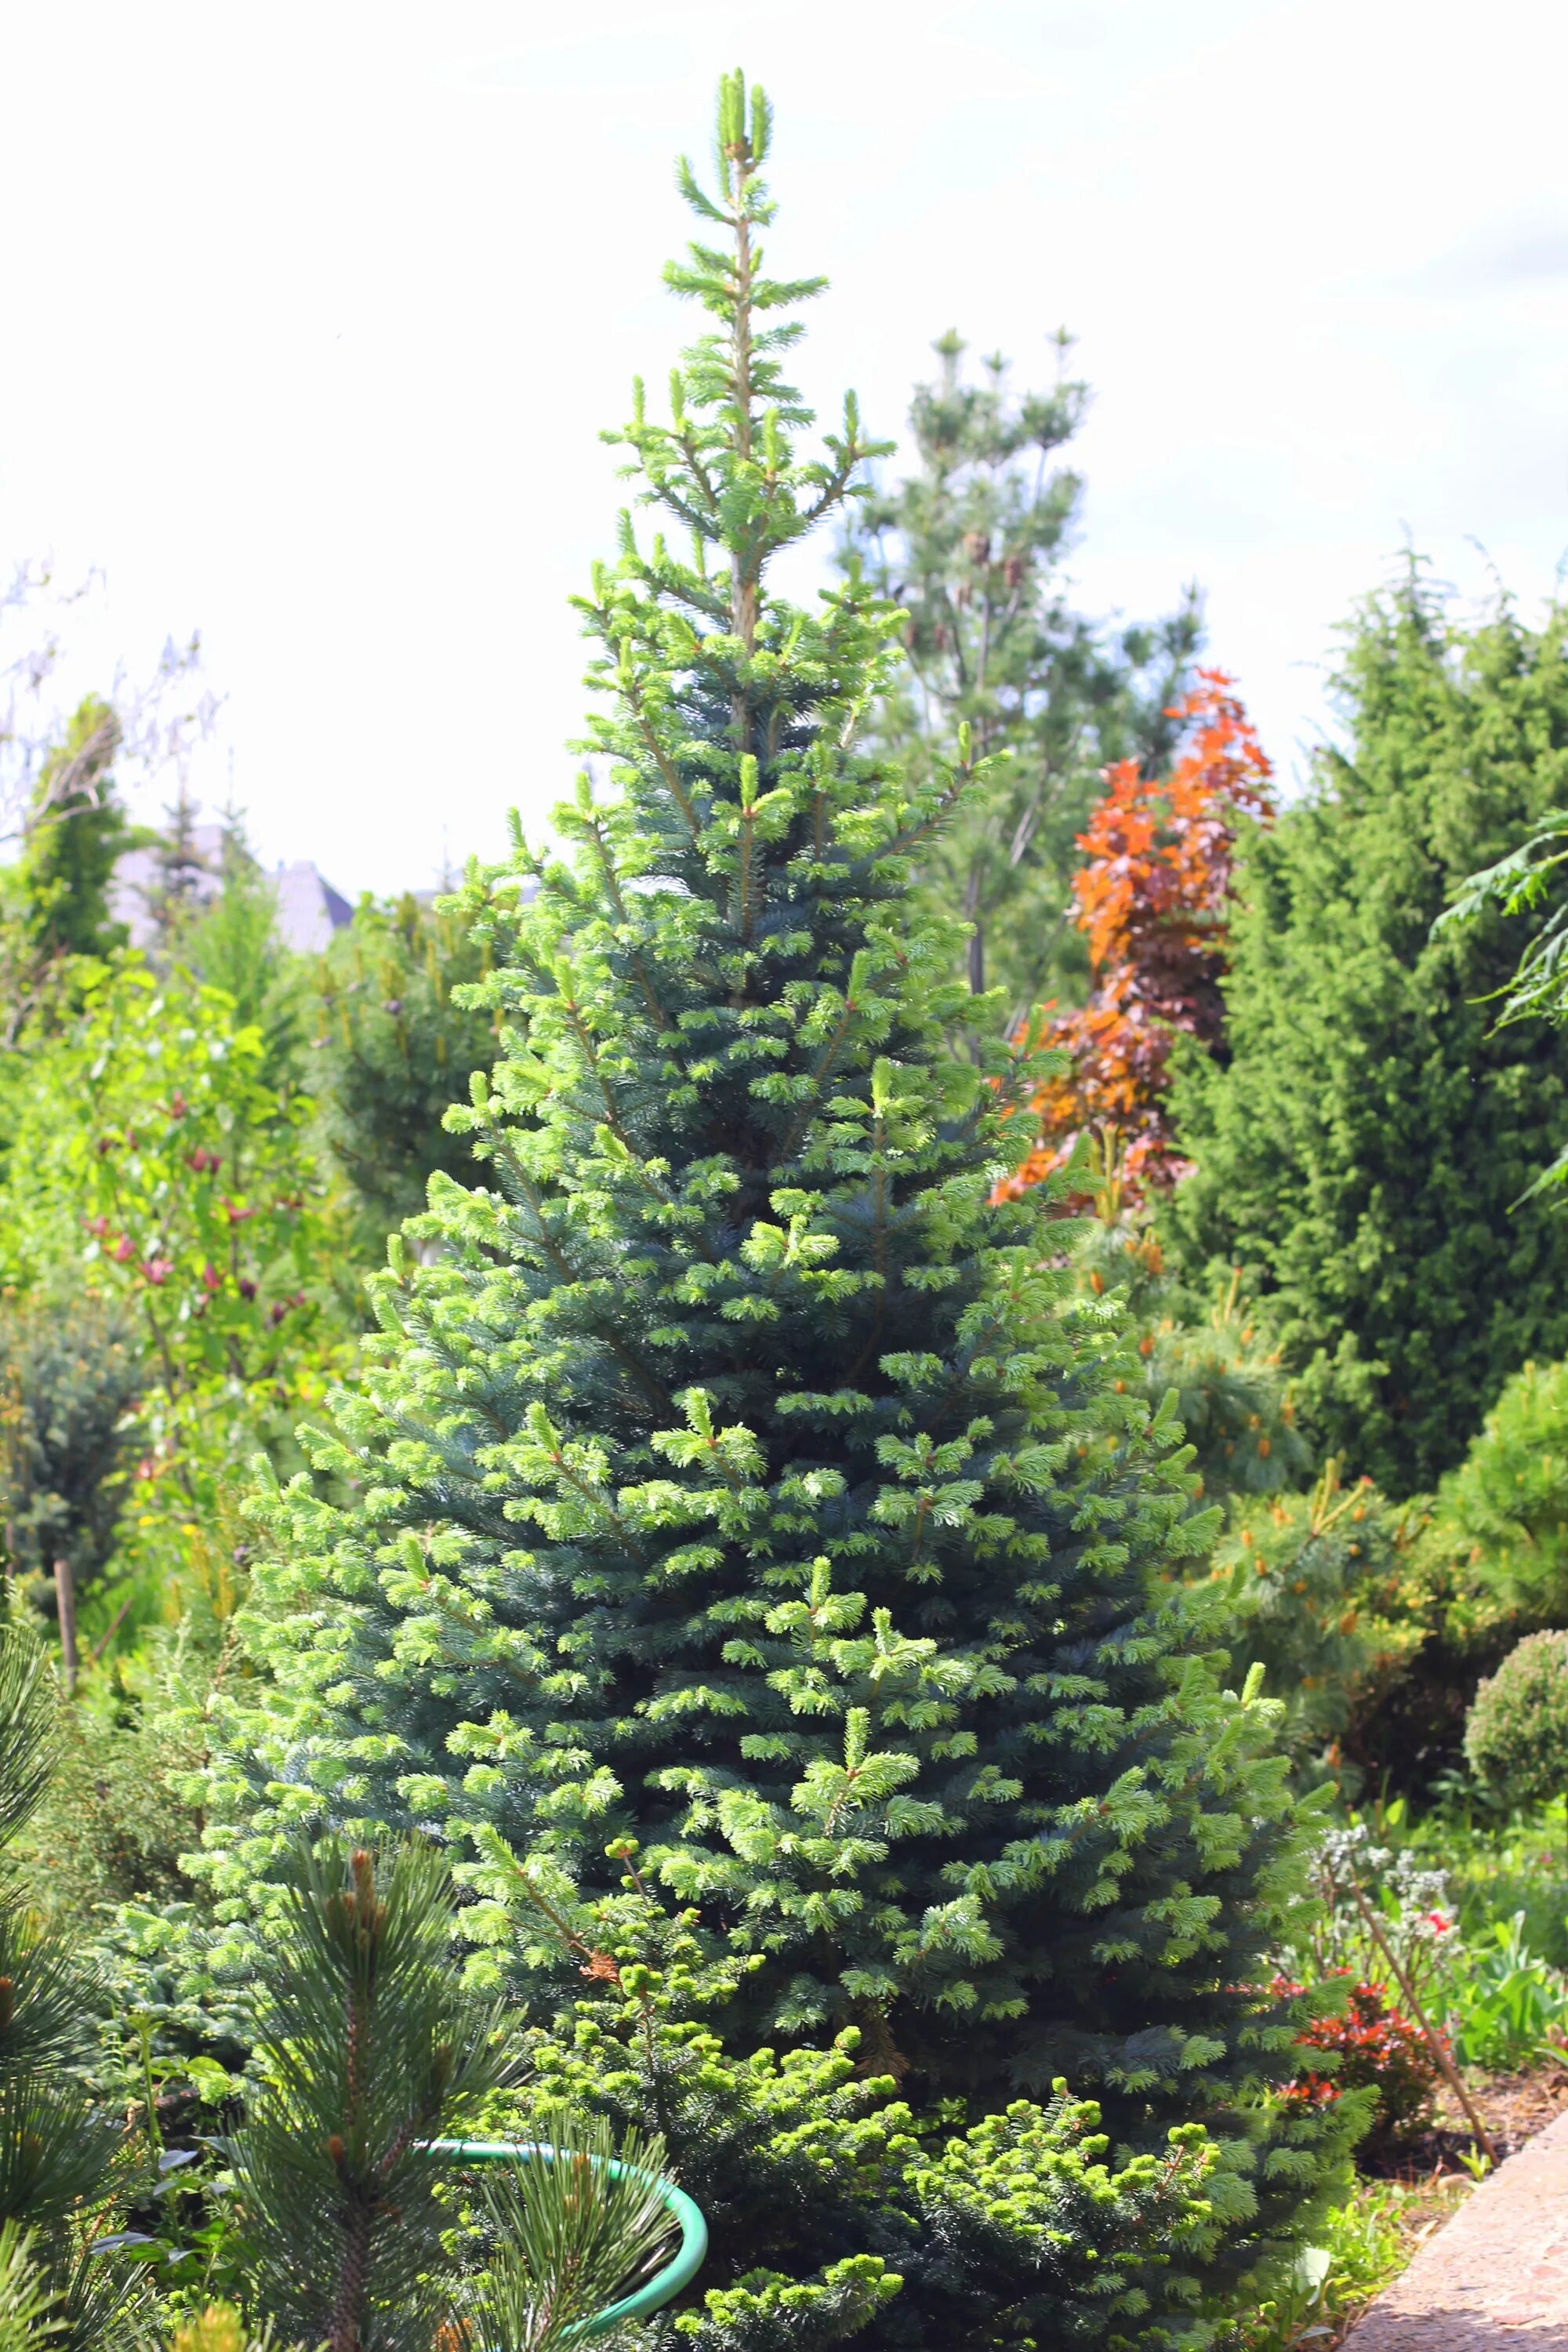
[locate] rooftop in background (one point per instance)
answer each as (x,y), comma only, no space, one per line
(308,909)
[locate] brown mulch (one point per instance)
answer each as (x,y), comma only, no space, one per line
(1513,2107)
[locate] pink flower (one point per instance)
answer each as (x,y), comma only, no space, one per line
(157,1270)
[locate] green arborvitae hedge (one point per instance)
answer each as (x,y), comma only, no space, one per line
(738,1478)
(1365,1143)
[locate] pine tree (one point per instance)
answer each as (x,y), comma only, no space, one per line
(61,2163)
(737,1478)
(1365,1144)
(971,546)
(372,2047)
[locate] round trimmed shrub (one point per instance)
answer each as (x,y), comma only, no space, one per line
(1515,1735)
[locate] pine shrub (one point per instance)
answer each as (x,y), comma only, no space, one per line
(1515,1735)
(735,1476)
(64,2165)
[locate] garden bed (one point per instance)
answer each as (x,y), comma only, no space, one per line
(1513,2107)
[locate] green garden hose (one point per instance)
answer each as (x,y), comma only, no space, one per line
(664,2284)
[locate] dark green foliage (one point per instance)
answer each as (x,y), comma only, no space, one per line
(1515,1735)
(391,1049)
(1529,881)
(735,1475)
(371,2046)
(972,547)
(1365,1145)
(61,2161)
(69,1379)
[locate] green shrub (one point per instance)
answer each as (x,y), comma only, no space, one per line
(1203,1344)
(1515,1735)
(394,1043)
(1505,1508)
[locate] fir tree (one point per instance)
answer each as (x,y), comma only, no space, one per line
(183,876)
(973,547)
(1365,1144)
(737,1478)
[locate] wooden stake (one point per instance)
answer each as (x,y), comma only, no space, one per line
(1433,2040)
(65,1597)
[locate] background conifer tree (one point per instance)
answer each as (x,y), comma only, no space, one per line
(973,545)
(394,1043)
(1366,1141)
(737,1477)
(54,901)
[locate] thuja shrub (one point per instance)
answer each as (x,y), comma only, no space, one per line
(735,1476)
(1515,1734)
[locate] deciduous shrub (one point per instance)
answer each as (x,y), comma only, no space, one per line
(1515,1735)
(1376,2049)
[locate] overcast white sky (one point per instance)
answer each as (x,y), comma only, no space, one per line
(313,313)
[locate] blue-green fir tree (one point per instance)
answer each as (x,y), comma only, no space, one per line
(736,1479)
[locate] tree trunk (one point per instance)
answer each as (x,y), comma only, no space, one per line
(65,1597)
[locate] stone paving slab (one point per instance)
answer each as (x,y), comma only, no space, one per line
(1495,2278)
